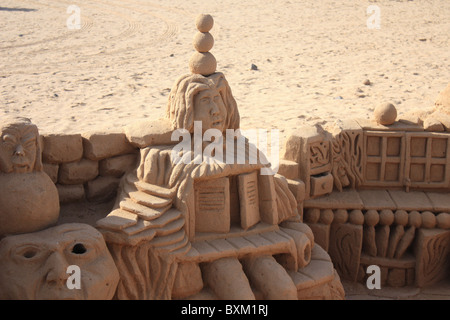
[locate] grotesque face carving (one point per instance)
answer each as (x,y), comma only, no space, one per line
(210,110)
(34,265)
(18,147)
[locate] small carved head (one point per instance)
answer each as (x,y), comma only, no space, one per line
(207,99)
(20,150)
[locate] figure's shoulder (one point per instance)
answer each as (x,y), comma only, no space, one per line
(149,132)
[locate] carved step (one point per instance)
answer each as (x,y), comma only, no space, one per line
(180,247)
(143,212)
(117,220)
(150,188)
(149,200)
(145,198)
(169,239)
(160,222)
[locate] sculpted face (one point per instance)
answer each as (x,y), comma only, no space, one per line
(34,265)
(18,145)
(210,109)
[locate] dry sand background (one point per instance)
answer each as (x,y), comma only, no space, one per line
(312,57)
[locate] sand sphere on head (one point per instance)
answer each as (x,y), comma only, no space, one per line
(203,63)
(385,114)
(204,22)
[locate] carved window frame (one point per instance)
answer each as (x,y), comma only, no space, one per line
(428,160)
(384,159)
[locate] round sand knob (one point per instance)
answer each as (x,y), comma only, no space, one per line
(428,220)
(443,220)
(401,217)
(203,41)
(371,218)
(340,216)
(356,217)
(204,22)
(203,63)
(415,219)
(326,216)
(312,215)
(385,114)
(386,217)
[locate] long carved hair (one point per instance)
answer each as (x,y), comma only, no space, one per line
(180,108)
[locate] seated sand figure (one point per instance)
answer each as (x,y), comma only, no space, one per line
(28,198)
(189,229)
(34,265)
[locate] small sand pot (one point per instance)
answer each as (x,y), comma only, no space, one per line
(29,200)
(385,114)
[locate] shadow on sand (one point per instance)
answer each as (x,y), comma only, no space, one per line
(17,9)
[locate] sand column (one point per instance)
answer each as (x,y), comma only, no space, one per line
(203,62)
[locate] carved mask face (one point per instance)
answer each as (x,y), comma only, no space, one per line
(209,108)
(35,265)
(18,145)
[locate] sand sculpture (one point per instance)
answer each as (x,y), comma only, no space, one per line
(347,196)
(208,229)
(377,193)
(35,253)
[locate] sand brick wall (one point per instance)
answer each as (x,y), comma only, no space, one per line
(89,165)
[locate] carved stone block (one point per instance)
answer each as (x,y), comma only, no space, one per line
(59,148)
(345,249)
(433,256)
(78,172)
(52,171)
(288,169)
(102,188)
(70,193)
(101,145)
(117,166)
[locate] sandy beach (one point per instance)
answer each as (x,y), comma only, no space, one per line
(312,57)
(289,63)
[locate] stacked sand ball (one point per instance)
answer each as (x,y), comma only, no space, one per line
(203,62)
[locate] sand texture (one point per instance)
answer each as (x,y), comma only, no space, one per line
(312,59)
